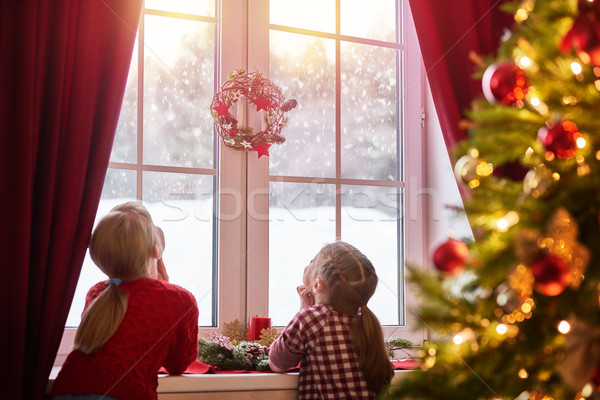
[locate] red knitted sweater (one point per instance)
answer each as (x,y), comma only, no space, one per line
(160,328)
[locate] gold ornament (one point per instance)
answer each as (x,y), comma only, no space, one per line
(465,169)
(539,181)
(268,336)
(521,281)
(235,331)
(469,169)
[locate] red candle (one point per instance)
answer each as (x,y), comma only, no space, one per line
(255,325)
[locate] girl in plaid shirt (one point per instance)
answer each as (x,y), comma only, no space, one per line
(335,336)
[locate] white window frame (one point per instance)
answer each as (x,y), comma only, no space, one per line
(244,262)
(243,222)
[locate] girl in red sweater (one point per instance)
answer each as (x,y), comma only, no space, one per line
(134,323)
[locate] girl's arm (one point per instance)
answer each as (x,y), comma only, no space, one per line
(185,346)
(281,358)
(274,368)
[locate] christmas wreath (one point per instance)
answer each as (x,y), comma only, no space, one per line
(241,89)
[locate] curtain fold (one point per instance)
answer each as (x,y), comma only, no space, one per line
(448,31)
(62,77)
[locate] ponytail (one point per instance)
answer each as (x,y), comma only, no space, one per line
(101,319)
(369,346)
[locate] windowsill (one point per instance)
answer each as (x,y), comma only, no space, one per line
(191,383)
(226,382)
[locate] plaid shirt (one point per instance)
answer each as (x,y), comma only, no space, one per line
(319,336)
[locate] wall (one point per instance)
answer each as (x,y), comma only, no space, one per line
(442,184)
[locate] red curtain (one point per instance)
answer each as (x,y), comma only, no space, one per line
(448,31)
(63,72)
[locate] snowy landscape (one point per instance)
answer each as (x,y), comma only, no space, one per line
(296,235)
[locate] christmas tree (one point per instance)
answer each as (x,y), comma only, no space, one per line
(515,315)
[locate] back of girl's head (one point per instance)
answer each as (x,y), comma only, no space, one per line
(123,241)
(121,246)
(348,275)
(350,281)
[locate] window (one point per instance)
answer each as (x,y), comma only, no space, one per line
(344,171)
(340,173)
(164,152)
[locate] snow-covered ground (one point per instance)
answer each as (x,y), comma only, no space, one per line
(295,238)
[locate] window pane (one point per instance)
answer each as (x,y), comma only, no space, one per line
(371,20)
(196,7)
(178,90)
(369,125)
(302,220)
(119,184)
(317,15)
(182,205)
(125,144)
(371,221)
(304,68)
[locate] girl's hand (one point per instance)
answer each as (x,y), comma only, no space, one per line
(306,297)
(161,271)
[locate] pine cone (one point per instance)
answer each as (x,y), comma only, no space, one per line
(248,354)
(254,350)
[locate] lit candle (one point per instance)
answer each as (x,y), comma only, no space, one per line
(256,325)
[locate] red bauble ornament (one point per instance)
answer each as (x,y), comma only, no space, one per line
(551,274)
(560,139)
(584,36)
(504,82)
(512,170)
(451,256)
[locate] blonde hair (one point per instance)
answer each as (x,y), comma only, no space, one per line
(350,281)
(121,246)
